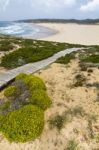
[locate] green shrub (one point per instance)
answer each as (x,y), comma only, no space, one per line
(41,99)
(6,45)
(5,106)
(23,125)
(21,76)
(31,53)
(37,90)
(66,59)
(10,91)
(29,50)
(1,117)
(93,58)
(24,119)
(34,82)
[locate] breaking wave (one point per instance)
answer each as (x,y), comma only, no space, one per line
(24,30)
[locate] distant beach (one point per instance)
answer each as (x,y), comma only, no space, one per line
(87,34)
(73,33)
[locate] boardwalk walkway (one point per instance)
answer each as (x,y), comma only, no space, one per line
(7,76)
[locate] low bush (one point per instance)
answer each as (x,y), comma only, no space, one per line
(66,59)
(33,82)
(22,119)
(21,76)
(21,86)
(5,106)
(57,121)
(83,66)
(90,71)
(31,53)
(6,45)
(23,125)
(19,97)
(72,145)
(93,58)
(41,99)
(79,80)
(10,91)
(27,89)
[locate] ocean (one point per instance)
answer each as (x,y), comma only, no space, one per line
(27,30)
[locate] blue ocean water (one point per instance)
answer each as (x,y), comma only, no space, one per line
(24,30)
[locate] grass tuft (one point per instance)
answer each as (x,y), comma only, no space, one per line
(72,145)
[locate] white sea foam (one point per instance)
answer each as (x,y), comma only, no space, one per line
(24,29)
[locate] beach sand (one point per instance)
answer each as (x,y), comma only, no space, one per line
(73,33)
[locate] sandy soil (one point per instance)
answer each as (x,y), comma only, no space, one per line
(59,80)
(74,33)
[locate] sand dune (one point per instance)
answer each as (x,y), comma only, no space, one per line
(59,80)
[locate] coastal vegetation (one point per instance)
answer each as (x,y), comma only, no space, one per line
(6,45)
(66,59)
(22,109)
(22,125)
(92,58)
(75,86)
(18,51)
(69,118)
(57,121)
(87,55)
(85,21)
(72,145)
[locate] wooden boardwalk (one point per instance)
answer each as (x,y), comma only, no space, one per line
(7,76)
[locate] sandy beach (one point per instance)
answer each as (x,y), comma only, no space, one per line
(73,33)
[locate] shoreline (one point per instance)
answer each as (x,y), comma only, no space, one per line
(27,30)
(72,33)
(46,32)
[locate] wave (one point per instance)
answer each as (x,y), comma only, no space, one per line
(24,29)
